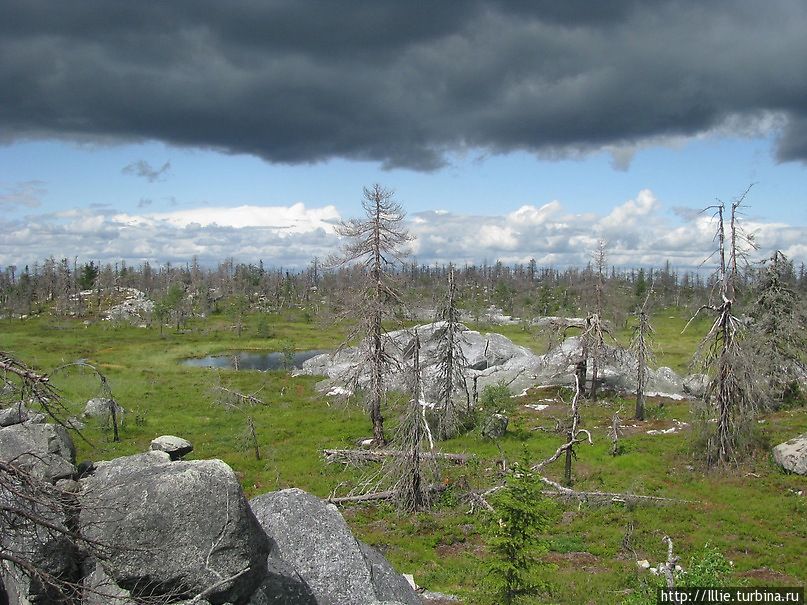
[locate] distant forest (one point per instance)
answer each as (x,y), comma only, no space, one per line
(72,288)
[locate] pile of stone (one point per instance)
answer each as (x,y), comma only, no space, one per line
(155,526)
(136,308)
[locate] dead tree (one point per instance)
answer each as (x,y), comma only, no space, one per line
(594,342)
(234,400)
(721,352)
(667,569)
(592,348)
(614,433)
(641,346)
(360,457)
(377,244)
(573,434)
(451,364)
(250,438)
(408,472)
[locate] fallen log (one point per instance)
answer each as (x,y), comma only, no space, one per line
(374,496)
(364,456)
(479,499)
(362,497)
(615,497)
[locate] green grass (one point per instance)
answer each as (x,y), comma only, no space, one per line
(751,512)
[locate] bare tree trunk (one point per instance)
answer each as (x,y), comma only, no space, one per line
(377,385)
(114,416)
(567,467)
(641,346)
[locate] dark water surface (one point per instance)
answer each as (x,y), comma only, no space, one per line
(250,360)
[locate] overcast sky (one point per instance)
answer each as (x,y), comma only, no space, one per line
(509,130)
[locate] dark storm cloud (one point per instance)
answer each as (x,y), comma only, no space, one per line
(395,82)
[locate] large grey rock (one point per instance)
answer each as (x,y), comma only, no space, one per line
(617,369)
(118,469)
(44,450)
(792,455)
(15,414)
(174,527)
(101,409)
(176,447)
(314,539)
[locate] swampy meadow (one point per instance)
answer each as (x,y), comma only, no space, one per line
(750,512)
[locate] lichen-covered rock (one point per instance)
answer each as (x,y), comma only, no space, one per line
(176,447)
(792,455)
(314,539)
(490,357)
(174,527)
(44,450)
(617,369)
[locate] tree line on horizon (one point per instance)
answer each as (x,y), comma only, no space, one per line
(520,290)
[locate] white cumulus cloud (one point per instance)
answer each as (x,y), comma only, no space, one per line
(639,231)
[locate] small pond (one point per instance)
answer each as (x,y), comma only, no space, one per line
(250,360)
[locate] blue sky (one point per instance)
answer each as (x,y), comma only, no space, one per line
(692,174)
(534,132)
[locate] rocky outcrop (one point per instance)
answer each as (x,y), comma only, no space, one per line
(177,527)
(492,359)
(151,526)
(135,308)
(792,455)
(313,538)
(617,370)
